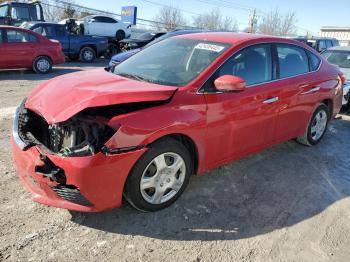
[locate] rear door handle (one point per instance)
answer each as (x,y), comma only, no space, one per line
(271,100)
(312,90)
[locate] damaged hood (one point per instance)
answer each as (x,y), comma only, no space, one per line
(59,99)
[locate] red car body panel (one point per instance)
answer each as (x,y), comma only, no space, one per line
(223,127)
(22,54)
(82,92)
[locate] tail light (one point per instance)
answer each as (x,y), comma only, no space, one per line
(342,78)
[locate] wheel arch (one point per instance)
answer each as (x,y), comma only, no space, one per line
(329,103)
(188,142)
(89,45)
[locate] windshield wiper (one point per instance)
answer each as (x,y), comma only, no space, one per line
(136,77)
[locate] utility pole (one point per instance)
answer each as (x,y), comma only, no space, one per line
(253,21)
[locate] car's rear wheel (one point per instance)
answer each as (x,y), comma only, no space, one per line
(120,35)
(42,65)
(160,176)
(317,127)
(87,54)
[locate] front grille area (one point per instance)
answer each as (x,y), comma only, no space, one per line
(32,128)
(71,194)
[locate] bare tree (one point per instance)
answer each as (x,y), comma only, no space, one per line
(169,18)
(276,23)
(214,20)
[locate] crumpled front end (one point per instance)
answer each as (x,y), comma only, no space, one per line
(65,165)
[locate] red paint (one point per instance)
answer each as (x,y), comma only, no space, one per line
(227,83)
(22,55)
(224,126)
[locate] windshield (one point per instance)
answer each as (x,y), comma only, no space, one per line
(337,57)
(3,10)
(174,62)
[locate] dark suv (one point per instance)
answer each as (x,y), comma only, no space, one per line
(318,43)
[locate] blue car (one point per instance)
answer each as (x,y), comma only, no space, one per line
(118,58)
(76,47)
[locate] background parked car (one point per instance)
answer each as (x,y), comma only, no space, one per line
(118,58)
(21,48)
(85,48)
(104,26)
(318,43)
(139,41)
(340,56)
(15,13)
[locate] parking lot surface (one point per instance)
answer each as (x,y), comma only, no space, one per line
(287,203)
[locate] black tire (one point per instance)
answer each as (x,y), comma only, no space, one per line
(42,65)
(308,137)
(112,50)
(87,54)
(120,35)
(132,190)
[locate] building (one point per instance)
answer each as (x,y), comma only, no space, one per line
(340,33)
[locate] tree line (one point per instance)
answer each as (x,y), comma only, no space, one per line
(169,18)
(271,23)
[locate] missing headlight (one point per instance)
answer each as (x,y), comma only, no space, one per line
(79,136)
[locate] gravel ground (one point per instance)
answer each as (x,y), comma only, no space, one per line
(287,203)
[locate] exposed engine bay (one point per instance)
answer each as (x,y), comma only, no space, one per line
(79,136)
(82,135)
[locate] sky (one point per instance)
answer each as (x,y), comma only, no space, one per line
(311,14)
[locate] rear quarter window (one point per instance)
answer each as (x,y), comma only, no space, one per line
(314,61)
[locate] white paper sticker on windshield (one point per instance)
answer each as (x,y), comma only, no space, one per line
(209,47)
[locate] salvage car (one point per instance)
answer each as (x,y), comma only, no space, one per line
(118,58)
(139,41)
(183,106)
(318,43)
(21,48)
(340,56)
(76,47)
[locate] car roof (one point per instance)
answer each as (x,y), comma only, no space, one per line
(340,48)
(230,37)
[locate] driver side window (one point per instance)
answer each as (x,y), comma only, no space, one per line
(253,64)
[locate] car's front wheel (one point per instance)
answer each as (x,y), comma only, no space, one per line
(317,126)
(87,54)
(160,176)
(42,65)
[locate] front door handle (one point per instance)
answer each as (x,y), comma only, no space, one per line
(271,100)
(312,90)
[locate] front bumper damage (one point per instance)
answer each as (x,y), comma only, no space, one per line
(83,183)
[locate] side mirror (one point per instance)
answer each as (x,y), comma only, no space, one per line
(230,83)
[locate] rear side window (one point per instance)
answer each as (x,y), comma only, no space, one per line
(322,45)
(1,36)
(253,64)
(329,43)
(14,36)
(314,62)
(292,60)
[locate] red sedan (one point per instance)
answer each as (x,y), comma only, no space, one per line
(180,107)
(21,48)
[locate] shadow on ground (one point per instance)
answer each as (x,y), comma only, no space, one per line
(68,67)
(275,189)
